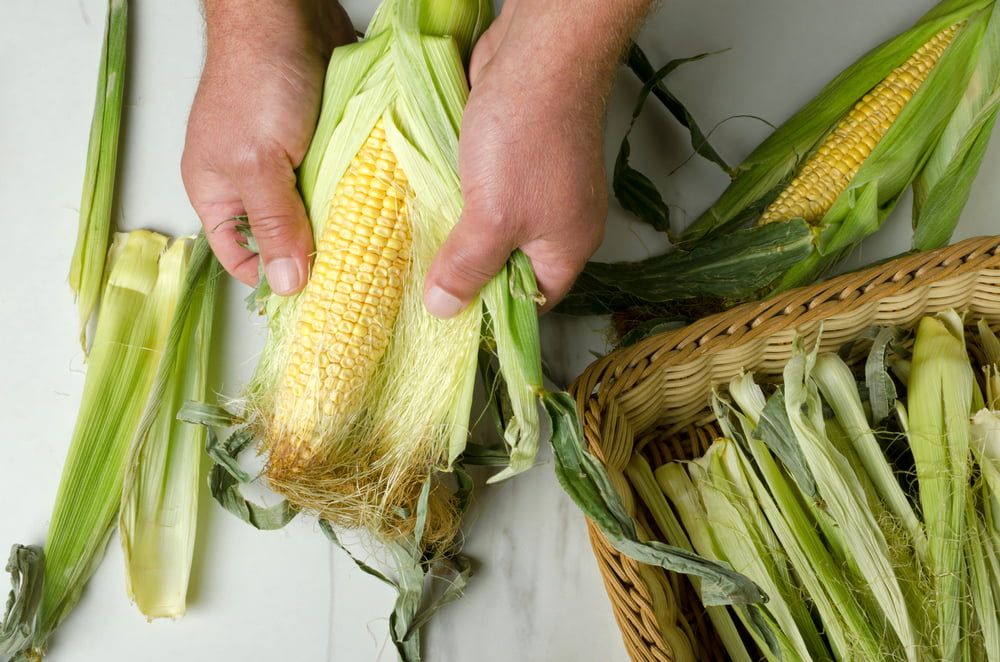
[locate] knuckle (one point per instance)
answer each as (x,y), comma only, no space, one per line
(467,265)
(272,225)
(260,157)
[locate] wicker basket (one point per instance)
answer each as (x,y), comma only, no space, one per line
(654,396)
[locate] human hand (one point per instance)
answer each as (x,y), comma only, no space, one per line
(531,156)
(250,126)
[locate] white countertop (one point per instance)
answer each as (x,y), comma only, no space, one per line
(289,595)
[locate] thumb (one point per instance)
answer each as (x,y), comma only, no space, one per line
(474,252)
(279,223)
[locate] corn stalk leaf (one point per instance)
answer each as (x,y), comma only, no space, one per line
(641,67)
(416,573)
(225,489)
(635,191)
(26,566)
(86,275)
(226,474)
(881,386)
(586,481)
(775,430)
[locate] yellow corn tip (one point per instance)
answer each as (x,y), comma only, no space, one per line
(829,171)
(349,306)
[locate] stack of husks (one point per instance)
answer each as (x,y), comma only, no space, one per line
(865,502)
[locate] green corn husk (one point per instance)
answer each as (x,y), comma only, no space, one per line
(845,500)
(942,187)
(936,143)
(159,504)
(852,623)
(144,282)
(942,383)
(804,480)
(86,275)
(834,379)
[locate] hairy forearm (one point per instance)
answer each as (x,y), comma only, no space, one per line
(306,25)
(583,40)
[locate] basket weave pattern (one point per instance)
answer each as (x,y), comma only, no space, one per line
(653,398)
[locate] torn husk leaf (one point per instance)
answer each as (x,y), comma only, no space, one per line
(26,567)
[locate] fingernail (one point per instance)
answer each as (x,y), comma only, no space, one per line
(442,304)
(283,275)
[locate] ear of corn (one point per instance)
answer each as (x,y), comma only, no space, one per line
(917,110)
(86,276)
(826,174)
(641,477)
(159,503)
(845,500)
(775,161)
(144,281)
(360,392)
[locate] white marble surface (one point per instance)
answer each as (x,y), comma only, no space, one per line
(289,595)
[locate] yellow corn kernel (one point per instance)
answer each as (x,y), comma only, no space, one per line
(347,309)
(828,172)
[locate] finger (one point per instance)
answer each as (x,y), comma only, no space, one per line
(474,252)
(557,263)
(217,203)
(277,219)
(230,249)
(554,281)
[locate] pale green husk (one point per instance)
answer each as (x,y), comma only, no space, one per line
(86,275)
(143,287)
(159,504)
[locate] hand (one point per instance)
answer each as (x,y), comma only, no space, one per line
(250,126)
(531,156)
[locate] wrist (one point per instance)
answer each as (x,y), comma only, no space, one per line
(567,57)
(586,43)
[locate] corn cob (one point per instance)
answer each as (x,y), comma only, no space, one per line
(828,172)
(360,394)
(350,304)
